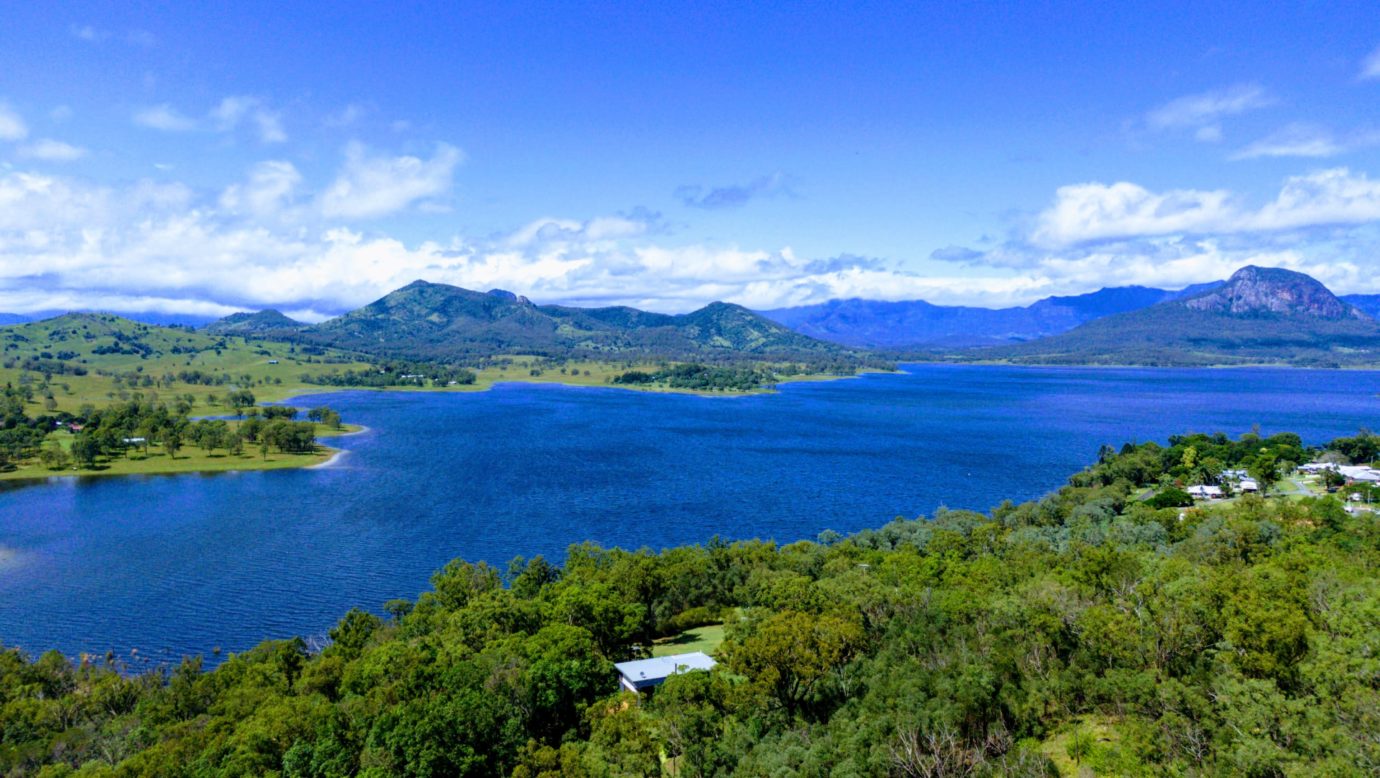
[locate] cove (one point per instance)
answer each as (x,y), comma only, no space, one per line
(177,565)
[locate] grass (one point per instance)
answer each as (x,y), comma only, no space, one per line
(272,371)
(1105,755)
(706,639)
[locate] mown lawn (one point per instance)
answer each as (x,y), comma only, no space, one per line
(706,639)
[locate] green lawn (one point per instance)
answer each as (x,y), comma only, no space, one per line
(706,639)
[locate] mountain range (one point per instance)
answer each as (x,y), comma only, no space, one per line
(1260,315)
(437,321)
(876,324)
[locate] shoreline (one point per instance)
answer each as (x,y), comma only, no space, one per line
(484,386)
(331,462)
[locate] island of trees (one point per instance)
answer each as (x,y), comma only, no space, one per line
(1090,630)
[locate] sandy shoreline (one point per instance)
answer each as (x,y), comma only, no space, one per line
(334,460)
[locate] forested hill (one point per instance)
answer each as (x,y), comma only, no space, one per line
(1260,316)
(897,325)
(426,320)
(266,323)
(1100,630)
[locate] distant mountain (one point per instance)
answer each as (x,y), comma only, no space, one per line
(266,323)
(155,318)
(12,318)
(1368,304)
(898,325)
(1260,315)
(437,320)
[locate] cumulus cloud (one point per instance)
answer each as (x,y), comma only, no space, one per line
(272,239)
(50,150)
(1204,110)
(12,126)
(733,195)
(164,117)
(372,186)
(1089,212)
(158,246)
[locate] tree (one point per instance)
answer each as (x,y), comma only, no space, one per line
(240,399)
(172,441)
(790,653)
(85,450)
(1265,470)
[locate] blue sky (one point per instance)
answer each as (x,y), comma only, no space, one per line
(313,157)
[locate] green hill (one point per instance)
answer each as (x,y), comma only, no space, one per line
(95,358)
(1260,316)
(267,323)
(426,320)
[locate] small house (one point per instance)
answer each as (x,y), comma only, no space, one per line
(1205,492)
(272,361)
(1248,485)
(642,674)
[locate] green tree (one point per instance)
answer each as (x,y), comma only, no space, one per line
(85,450)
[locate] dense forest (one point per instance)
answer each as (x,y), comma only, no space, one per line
(1087,630)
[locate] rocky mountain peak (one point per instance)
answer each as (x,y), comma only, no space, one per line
(1260,290)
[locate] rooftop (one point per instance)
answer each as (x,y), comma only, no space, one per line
(662,667)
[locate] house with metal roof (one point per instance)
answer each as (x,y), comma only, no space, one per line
(642,674)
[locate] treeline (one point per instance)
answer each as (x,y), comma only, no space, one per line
(701,378)
(1086,628)
(396,374)
(20,435)
(132,427)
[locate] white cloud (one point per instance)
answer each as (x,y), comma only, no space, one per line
(1083,213)
(267,192)
(164,117)
(1094,211)
(227,116)
(268,240)
(1306,140)
(1370,66)
(12,126)
(370,186)
(50,150)
(236,110)
(1207,108)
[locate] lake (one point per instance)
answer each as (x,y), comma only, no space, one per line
(177,565)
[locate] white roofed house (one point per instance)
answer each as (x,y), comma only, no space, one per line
(1204,492)
(1360,473)
(1248,485)
(640,675)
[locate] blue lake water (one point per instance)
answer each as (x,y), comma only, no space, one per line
(178,565)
